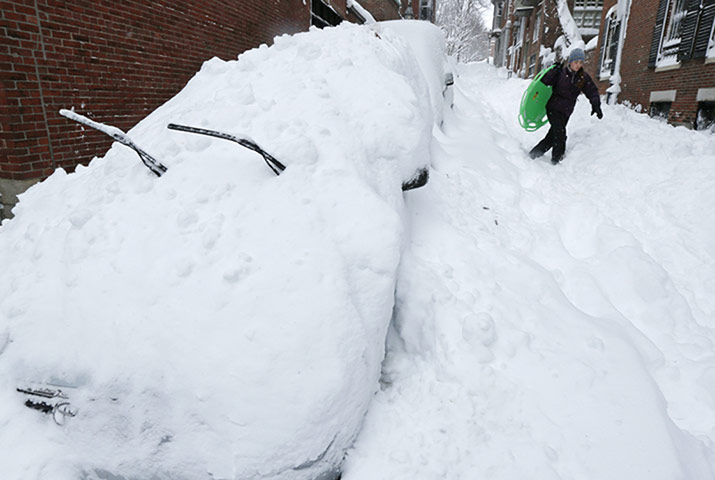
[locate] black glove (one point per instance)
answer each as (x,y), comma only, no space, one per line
(597,111)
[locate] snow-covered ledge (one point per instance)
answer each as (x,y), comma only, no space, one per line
(705,95)
(662,96)
(667,68)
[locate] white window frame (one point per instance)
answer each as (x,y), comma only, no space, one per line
(710,52)
(515,58)
(532,65)
(588,9)
(520,35)
(537,27)
(672,33)
(612,21)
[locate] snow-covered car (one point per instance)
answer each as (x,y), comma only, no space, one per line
(427,44)
(215,320)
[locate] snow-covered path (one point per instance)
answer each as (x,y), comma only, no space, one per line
(552,322)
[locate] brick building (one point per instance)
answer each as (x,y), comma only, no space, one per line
(660,54)
(527,35)
(118,62)
(656,54)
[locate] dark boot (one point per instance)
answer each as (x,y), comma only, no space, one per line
(556,160)
(536,153)
(543,146)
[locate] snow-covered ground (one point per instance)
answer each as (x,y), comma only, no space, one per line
(553,322)
(550,322)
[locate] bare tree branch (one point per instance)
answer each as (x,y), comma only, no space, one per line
(466,35)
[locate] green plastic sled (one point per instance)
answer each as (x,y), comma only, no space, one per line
(532,113)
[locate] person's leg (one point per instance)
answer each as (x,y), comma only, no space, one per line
(558,124)
(544,145)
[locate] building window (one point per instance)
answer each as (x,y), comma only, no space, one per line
(587,14)
(705,119)
(670,44)
(537,28)
(323,15)
(532,65)
(426,10)
(520,33)
(711,43)
(515,60)
(611,37)
(660,110)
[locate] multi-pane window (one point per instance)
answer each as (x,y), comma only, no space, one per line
(520,33)
(587,14)
(537,28)
(532,66)
(610,45)
(515,58)
(668,53)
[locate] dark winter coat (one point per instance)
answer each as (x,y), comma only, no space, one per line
(567,86)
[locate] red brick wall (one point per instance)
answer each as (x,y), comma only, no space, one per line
(115,62)
(638,80)
(384,10)
(550,30)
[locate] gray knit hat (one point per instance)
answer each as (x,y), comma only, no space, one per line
(576,54)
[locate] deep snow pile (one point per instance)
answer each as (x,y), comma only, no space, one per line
(220,322)
(552,322)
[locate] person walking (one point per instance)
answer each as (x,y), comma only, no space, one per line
(568,82)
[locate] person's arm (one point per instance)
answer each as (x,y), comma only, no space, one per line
(591,92)
(551,76)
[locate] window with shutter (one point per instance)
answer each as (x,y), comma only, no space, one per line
(657,32)
(689,26)
(670,45)
(610,45)
(705,37)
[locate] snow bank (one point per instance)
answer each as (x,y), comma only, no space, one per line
(552,322)
(219,322)
(571,37)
